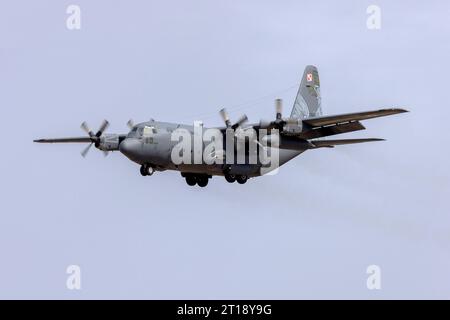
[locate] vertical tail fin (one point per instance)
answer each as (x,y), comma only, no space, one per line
(308,102)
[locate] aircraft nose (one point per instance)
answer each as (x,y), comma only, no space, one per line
(130,148)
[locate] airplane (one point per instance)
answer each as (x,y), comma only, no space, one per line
(150,144)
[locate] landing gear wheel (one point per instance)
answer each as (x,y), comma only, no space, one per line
(241,179)
(230,178)
(190,180)
(202,181)
(147,170)
(150,170)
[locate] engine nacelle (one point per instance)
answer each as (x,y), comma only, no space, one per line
(109,142)
(293,126)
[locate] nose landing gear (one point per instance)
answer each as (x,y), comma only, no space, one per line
(147,170)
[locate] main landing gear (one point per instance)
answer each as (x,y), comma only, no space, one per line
(147,170)
(241,179)
(200,179)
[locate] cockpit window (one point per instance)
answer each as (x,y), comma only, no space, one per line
(149,131)
(133,132)
(146,131)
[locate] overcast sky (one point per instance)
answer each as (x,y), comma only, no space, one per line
(308,232)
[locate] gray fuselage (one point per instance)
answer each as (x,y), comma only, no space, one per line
(155,148)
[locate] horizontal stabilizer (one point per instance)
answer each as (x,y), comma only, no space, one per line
(64,140)
(332,143)
(348,117)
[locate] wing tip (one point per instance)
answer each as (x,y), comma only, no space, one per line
(397,110)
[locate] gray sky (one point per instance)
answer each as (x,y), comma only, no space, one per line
(308,232)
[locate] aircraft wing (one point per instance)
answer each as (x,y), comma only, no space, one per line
(349,117)
(332,143)
(324,126)
(64,140)
(331,130)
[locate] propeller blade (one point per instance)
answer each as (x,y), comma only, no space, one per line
(102,128)
(243,119)
(105,153)
(86,150)
(224,114)
(279,108)
(130,124)
(86,128)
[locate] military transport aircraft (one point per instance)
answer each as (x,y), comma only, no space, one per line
(150,144)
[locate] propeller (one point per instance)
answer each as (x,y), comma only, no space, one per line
(130,124)
(95,138)
(243,119)
(286,126)
(279,121)
(239,133)
(86,128)
(279,109)
(224,114)
(86,150)
(105,124)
